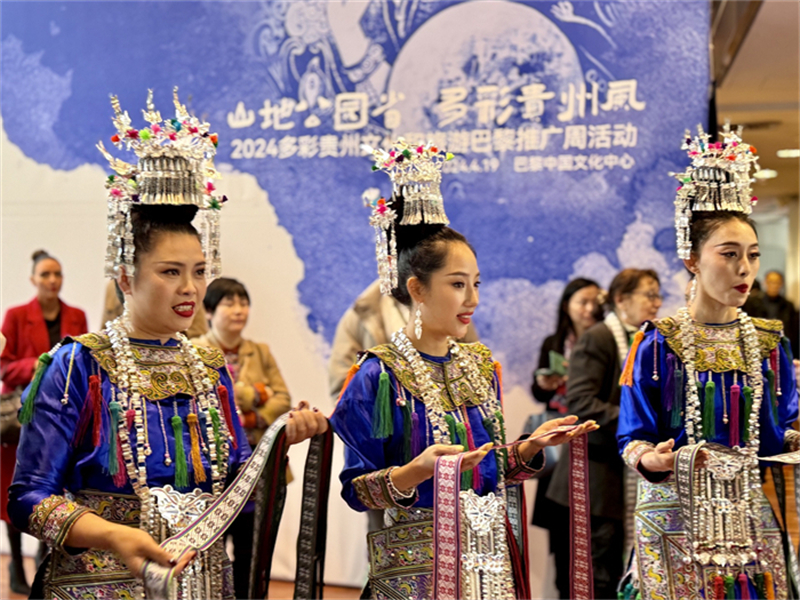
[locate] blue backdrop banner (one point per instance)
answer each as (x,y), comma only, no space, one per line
(564,117)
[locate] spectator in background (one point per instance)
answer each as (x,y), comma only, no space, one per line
(754,305)
(30,330)
(112,308)
(260,394)
(578,310)
(593,392)
(776,306)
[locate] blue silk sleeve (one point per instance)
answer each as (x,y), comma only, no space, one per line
(45,456)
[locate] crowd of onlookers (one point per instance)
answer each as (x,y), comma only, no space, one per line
(577,373)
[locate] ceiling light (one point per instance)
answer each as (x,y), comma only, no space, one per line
(766,174)
(793,153)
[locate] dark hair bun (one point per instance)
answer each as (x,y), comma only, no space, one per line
(164,214)
(39,255)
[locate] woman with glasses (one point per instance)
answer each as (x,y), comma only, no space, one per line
(593,392)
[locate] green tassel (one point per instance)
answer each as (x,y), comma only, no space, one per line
(26,414)
(115,408)
(466,476)
(215,426)
(407,431)
(677,402)
(759,581)
(488,425)
(748,408)
(382,426)
(773,396)
(729,595)
(451,426)
(709,412)
(787,348)
(181,468)
(502,423)
(627,593)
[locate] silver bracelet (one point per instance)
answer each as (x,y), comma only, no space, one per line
(394,491)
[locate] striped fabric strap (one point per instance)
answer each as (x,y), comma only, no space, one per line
(581,574)
(447,528)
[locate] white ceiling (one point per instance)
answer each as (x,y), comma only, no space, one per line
(762,86)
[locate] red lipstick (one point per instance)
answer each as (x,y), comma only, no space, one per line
(742,289)
(465,318)
(184,309)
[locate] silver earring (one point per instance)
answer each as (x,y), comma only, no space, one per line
(418,323)
(693,290)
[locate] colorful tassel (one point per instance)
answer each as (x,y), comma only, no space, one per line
(466,476)
(501,421)
(787,348)
(351,372)
(759,581)
(769,589)
(735,427)
(26,414)
(114,408)
(129,415)
(748,409)
(744,587)
(181,469)
(91,412)
(121,478)
(677,403)
(215,426)
(729,583)
(197,461)
(719,588)
(627,373)
(416,435)
(772,395)
(477,480)
(498,370)
(382,425)
(488,425)
(451,429)
(407,431)
(222,393)
(709,411)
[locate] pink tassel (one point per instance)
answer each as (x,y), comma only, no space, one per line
(734,426)
(121,477)
(129,414)
(744,587)
(416,435)
(222,392)
(91,412)
(477,480)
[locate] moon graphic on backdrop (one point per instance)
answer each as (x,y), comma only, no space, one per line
(482,44)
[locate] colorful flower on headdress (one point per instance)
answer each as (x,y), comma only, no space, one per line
(718,179)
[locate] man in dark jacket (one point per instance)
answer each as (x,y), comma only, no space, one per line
(777,306)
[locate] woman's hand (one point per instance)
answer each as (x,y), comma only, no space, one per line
(304,423)
(662,458)
(134,546)
(529,449)
(550,383)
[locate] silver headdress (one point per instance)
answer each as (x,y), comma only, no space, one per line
(718,179)
(416,174)
(175,167)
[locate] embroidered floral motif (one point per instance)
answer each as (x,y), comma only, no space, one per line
(719,347)
(634,451)
(159,365)
(52,519)
(791,440)
(450,377)
(117,508)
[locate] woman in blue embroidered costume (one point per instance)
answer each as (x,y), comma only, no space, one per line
(423,395)
(131,432)
(706,395)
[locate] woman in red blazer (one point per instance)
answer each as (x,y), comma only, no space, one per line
(31,330)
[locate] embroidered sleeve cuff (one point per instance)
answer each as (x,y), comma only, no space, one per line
(791,440)
(519,470)
(374,492)
(52,519)
(632,456)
